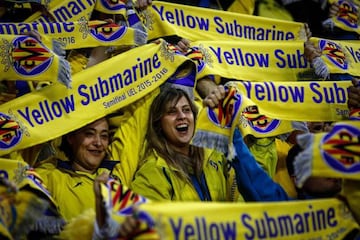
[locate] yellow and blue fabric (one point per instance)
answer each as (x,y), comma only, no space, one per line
(119,202)
(196,24)
(60,11)
(75,195)
(102,87)
(80,34)
(26,58)
(331,154)
(304,219)
(36,198)
(346,19)
(157,181)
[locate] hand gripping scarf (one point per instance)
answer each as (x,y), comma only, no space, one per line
(119,202)
(341,57)
(215,127)
(333,154)
(253,107)
(347,17)
(106,87)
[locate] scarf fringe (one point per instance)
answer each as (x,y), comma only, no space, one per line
(49,225)
(303,161)
(58,48)
(231,153)
(64,76)
(211,140)
(320,68)
(328,24)
(29,208)
(140,37)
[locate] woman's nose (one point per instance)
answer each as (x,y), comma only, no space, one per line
(181,114)
(97,140)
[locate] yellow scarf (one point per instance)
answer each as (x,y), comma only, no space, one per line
(19,211)
(347,17)
(312,100)
(25,58)
(111,7)
(64,11)
(340,57)
(332,154)
(262,110)
(21,174)
(355,114)
(80,34)
(106,87)
(22,208)
(278,220)
(253,60)
(119,201)
(195,23)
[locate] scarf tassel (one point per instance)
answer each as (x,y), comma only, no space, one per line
(64,75)
(302,165)
(211,140)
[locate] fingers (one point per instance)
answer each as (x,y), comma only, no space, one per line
(355,82)
(183,45)
(310,51)
(109,20)
(129,226)
(333,10)
(354,94)
(307,31)
(353,97)
(143,4)
(156,41)
(215,97)
(102,178)
(99,205)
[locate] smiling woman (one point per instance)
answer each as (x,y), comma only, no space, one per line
(173,169)
(85,150)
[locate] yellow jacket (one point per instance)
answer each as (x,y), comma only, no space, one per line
(129,138)
(72,190)
(155,180)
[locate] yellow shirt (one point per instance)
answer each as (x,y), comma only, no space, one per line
(72,190)
(155,180)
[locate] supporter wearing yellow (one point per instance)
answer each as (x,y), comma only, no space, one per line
(174,169)
(158,181)
(71,182)
(129,136)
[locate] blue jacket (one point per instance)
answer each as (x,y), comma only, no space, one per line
(253,182)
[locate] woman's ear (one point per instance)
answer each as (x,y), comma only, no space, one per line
(69,139)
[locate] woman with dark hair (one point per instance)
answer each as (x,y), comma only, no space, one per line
(70,181)
(173,169)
